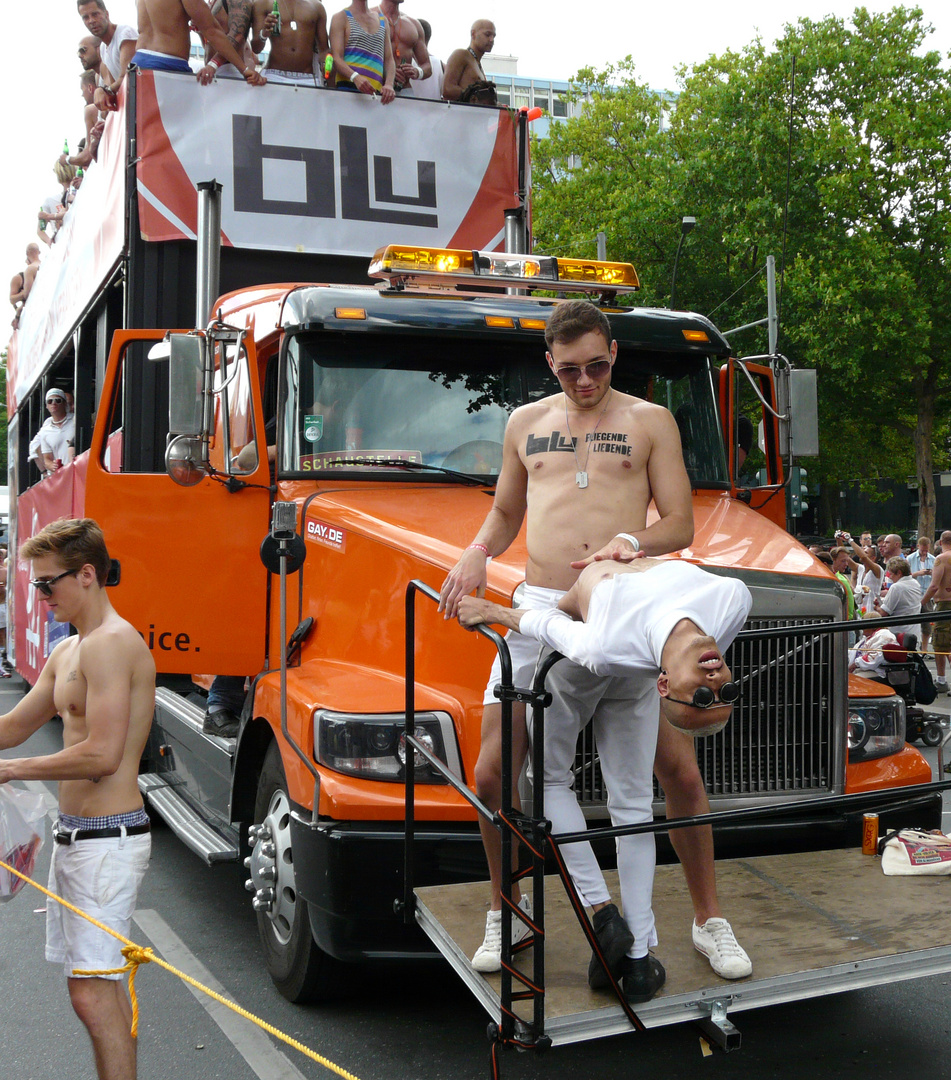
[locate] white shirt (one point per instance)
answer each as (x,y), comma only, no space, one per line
(54,439)
(866,601)
(431,87)
(903,598)
(631,616)
(109,54)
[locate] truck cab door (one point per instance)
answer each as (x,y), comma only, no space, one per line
(190,577)
(752,439)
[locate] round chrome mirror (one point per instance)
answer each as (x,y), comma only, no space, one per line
(183,460)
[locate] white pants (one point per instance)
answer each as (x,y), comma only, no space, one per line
(626,714)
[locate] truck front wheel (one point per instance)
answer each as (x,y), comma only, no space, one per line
(297,966)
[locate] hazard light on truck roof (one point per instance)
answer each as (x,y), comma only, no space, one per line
(400,265)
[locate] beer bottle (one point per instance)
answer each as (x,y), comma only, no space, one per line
(276,12)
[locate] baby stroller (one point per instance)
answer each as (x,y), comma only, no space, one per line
(906,673)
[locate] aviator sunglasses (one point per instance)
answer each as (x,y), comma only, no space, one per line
(597,369)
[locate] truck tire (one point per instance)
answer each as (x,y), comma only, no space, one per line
(299,969)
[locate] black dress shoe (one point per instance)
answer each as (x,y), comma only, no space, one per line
(642,978)
(614,938)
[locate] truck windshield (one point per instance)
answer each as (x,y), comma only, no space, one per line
(366,403)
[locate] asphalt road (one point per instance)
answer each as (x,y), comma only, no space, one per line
(392,1021)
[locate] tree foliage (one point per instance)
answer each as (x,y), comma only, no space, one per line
(833,146)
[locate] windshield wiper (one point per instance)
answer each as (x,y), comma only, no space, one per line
(421,466)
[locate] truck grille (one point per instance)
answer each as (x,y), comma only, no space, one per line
(779,738)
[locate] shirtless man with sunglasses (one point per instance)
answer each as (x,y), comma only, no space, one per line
(582,467)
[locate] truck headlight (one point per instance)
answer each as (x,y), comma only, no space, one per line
(374,747)
(876,727)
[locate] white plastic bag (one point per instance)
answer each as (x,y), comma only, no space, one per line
(21,836)
(916,852)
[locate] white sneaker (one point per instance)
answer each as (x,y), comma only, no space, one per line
(716,941)
(488,956)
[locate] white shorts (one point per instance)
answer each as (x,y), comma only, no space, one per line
(102,878)
(524,650)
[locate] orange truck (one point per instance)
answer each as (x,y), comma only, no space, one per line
(375,407)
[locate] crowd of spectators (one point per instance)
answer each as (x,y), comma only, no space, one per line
(882,579)
(370,50)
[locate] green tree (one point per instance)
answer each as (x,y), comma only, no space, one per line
(862,134)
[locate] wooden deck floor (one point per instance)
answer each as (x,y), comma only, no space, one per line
(794,914)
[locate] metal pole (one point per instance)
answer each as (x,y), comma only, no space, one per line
(686,225)
(772,314)
(209,250)
(409,729)
(602,247)
(514,232)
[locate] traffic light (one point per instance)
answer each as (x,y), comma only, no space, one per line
(798,491)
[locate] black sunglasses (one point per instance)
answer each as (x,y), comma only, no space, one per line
(705,698)
(44,586)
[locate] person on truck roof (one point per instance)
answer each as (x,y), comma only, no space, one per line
(408,42)
(235,18)
(584,506)
(464,79)
(21,283)
(362,53)
(164,42)
(115,51)
(298,37)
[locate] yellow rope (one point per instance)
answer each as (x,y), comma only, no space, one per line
(136,954)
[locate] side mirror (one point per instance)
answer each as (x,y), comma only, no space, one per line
(803,413)
(798,397)
(186,383)
(183,460)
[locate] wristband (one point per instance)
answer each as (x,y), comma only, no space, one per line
(215,63)
(632,540)
(480,547)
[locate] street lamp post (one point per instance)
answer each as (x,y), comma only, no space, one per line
(685,226)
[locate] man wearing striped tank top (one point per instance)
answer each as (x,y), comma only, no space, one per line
(362,54)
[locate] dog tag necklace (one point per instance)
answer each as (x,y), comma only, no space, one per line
(581,476)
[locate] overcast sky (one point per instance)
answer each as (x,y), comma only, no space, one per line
(551,38)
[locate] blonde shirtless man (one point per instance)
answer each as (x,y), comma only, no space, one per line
(408,43)
(298,51)
(164,43)
(102,683)
(584,465)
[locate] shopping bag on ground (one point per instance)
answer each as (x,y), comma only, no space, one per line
(916,852)
(21,836)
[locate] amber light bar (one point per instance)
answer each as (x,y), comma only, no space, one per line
(448,266)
